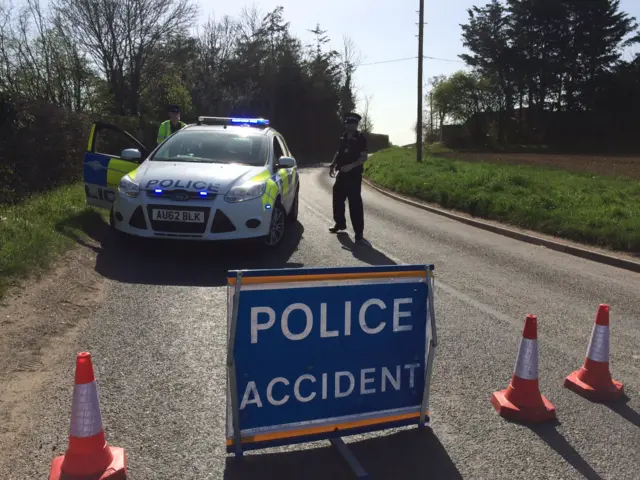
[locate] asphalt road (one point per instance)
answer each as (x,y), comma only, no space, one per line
(158,345)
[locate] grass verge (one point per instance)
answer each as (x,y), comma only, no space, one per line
(30,233)
(593,210)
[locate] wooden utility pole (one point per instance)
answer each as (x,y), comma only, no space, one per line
(420,58)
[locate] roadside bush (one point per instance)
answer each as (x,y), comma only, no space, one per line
(42,145)
(40,148)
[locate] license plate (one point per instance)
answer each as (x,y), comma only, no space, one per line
(178,216)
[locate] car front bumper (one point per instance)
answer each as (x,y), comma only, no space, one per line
(221,220)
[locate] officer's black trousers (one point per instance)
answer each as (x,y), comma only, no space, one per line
(348,187)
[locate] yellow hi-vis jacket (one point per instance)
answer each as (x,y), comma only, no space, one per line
(165,130)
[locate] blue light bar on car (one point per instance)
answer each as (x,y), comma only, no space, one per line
(203,194)
(253,121)
(158,190)
(237,121)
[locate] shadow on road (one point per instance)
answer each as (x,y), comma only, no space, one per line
(625,411)
(174,262)
(365,253)
(555,440)
(408,454)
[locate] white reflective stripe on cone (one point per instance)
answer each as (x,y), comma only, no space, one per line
(527,363)
(598,350)
(86,419)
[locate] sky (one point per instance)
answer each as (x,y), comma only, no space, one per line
(388,32)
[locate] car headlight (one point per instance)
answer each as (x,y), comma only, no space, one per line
(245,192)
(128,187)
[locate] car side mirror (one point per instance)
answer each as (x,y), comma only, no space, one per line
(130,154)
(286,162)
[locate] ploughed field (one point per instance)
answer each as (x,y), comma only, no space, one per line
(608,165)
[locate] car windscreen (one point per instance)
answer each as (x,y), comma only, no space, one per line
(202,146)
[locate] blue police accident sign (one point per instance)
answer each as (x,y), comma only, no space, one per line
(319,352)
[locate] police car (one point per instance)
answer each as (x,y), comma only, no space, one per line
(219,179)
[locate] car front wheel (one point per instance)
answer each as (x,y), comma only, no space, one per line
(116,235)
(277,226)
(293,214)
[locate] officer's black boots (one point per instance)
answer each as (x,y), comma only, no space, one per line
(360,240)
(337,228)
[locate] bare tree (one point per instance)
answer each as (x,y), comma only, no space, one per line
(351,57)
(217,42)
(350,61)
(215,48)
(23,52)
(366,125)
(14,76)
(250,22)
(36,61)
(7,40)
(121,37)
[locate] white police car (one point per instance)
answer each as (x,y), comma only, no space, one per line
(220,179)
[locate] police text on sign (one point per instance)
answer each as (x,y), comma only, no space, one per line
(324,331)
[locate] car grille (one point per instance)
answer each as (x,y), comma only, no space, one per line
(180,195)
(178,227)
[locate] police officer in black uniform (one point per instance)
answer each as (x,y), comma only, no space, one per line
(347,162)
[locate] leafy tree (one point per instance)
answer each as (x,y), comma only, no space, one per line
(599,29)
(487,36)
(547,56)
(442,97)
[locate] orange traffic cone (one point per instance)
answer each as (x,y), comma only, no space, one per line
(88,455)
(522,400)
(593,380)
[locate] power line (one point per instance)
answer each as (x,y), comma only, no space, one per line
(444,59)
(411,58)
(389,61)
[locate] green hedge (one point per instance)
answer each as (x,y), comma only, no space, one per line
(42,145)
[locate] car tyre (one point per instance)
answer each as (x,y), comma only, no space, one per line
(293,214)
(276,226)
(116,234)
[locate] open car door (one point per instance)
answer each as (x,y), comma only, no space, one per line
(286,173)
(103,170)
